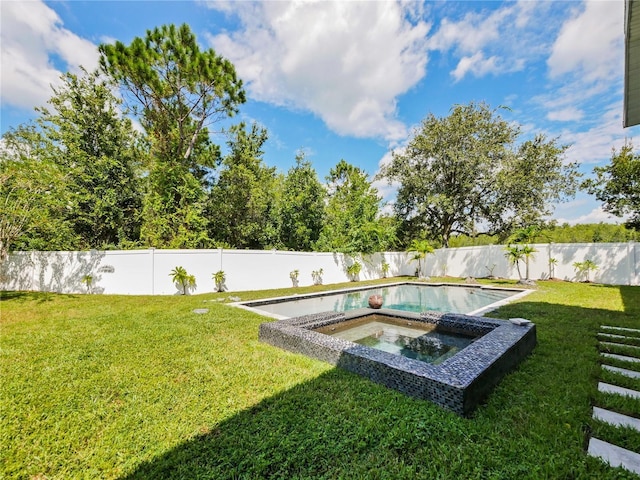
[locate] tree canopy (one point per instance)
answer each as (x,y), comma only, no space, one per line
(82,177)
(178,91)
(242,202)
(617,185)
(464,172)
(32,191)
(352,216)
(301,209)
(98,150)
(176,88)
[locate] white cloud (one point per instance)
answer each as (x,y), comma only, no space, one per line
(590,43)
(594,145)
(469,35)
(31,35)
(476,64)
(596,215)
(496,42)
(569,114)
(346,62)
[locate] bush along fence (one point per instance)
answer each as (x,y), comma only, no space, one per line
(153,272)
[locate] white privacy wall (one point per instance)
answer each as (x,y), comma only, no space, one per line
(146,272)
(618,263)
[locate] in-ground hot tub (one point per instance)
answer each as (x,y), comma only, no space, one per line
(457,380)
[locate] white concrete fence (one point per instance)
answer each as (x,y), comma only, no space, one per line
(147,272)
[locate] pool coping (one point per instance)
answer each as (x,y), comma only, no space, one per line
(247,305)
(459,383)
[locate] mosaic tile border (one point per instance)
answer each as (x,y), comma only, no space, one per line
(459,383)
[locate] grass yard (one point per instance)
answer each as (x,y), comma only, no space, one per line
(140,387)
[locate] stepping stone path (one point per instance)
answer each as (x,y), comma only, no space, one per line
(612,454)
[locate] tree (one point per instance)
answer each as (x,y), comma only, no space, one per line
(97,149)
(352,223)
(462,171)
(531,179)
(526,235)
(33,194)
(180,277)
(528,253)
(420,250)
(301,208)
(178,91)
(515,254)
(242,203)
(617,185)
(583,268)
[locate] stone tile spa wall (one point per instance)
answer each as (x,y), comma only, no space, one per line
(459,383)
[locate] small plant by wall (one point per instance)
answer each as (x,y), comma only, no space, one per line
(353,271)
(384,269)
(583,269)
(180,277)
(88,281)
(293,275)
(219,278)
(316,276)
(552,267)
(491,269)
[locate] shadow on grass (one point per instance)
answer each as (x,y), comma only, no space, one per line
(534,424)
(333,425)
(31,296)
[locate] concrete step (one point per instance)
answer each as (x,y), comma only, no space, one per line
(622,371)
(614,455)
(620,329)
(613,344)
(608,388)
(613,336)
(615,418)
(620,357)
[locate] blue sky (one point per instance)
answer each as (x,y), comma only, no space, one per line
(350,80)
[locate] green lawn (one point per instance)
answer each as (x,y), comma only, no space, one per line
(140,387)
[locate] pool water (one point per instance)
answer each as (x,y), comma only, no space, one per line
(407,297)
(416,340)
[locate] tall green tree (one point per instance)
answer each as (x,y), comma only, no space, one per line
(242,203)
(352,217)
(33,194)
(617,185)
(178,91)
(532,178)
(301,209)
(465,170)
(98,150)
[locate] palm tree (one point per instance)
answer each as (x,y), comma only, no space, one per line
(420,250)
(180,276)
(552,267)
(524,235)
(585,267)
(514,255)
(527,253)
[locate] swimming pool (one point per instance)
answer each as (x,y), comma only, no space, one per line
(408,297)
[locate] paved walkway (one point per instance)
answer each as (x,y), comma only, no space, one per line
(617,337)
